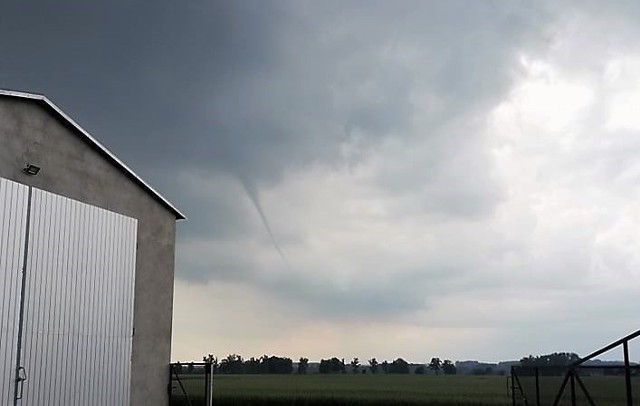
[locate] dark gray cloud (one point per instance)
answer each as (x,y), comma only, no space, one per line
(360,134)
(253,88)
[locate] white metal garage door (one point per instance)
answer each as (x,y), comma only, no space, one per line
(13,219)
(77,306)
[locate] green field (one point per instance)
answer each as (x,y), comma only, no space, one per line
(387,390)
(356,390)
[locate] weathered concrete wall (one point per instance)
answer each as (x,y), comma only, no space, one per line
(31,132)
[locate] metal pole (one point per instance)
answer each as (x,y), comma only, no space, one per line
(607,348)
(524,396)
(19,381)
(627,373)
(556,402)
(184,392)
(170,385)
(585,391)
(513,387)
(208,384)
(573,389)
(537,387)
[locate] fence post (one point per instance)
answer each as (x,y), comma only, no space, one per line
(513,387)
(208,384)
(573,388)
(537,387)
(627,373)
(170,385)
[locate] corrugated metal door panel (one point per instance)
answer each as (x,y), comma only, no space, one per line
(78,318)
(13,217)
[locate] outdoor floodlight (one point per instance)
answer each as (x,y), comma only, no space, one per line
(31,169)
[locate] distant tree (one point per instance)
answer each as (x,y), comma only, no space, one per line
(252,366)
(557,359)
(209,358)
(177,367)
(355,365)
(448,367)
(303,364)
(324,367)
(373,365)
(399,366)
(331,366)
(420,370)
(385,366)
(276,365)
(264,364)
(233,364)
(435,365)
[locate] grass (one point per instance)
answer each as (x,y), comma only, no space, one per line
(356,390)
(388,390)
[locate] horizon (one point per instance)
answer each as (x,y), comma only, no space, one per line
(364,362)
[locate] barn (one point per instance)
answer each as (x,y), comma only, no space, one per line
(86,266)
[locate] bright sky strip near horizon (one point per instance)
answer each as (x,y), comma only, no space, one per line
(369,179)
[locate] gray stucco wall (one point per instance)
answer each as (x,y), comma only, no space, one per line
(30,132)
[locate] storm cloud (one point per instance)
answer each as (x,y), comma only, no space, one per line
(456,173)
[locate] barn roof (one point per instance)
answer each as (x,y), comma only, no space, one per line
(98,146)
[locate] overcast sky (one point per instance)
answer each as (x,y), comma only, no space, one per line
(368,179)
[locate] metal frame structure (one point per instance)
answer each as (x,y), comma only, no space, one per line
(572,376)
(179,395)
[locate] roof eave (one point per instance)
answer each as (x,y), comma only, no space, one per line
(99,146)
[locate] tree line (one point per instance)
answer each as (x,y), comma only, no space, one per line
(550,364)
(397,366)
(236,364)
(557,359)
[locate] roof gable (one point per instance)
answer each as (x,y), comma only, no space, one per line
(98,146)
